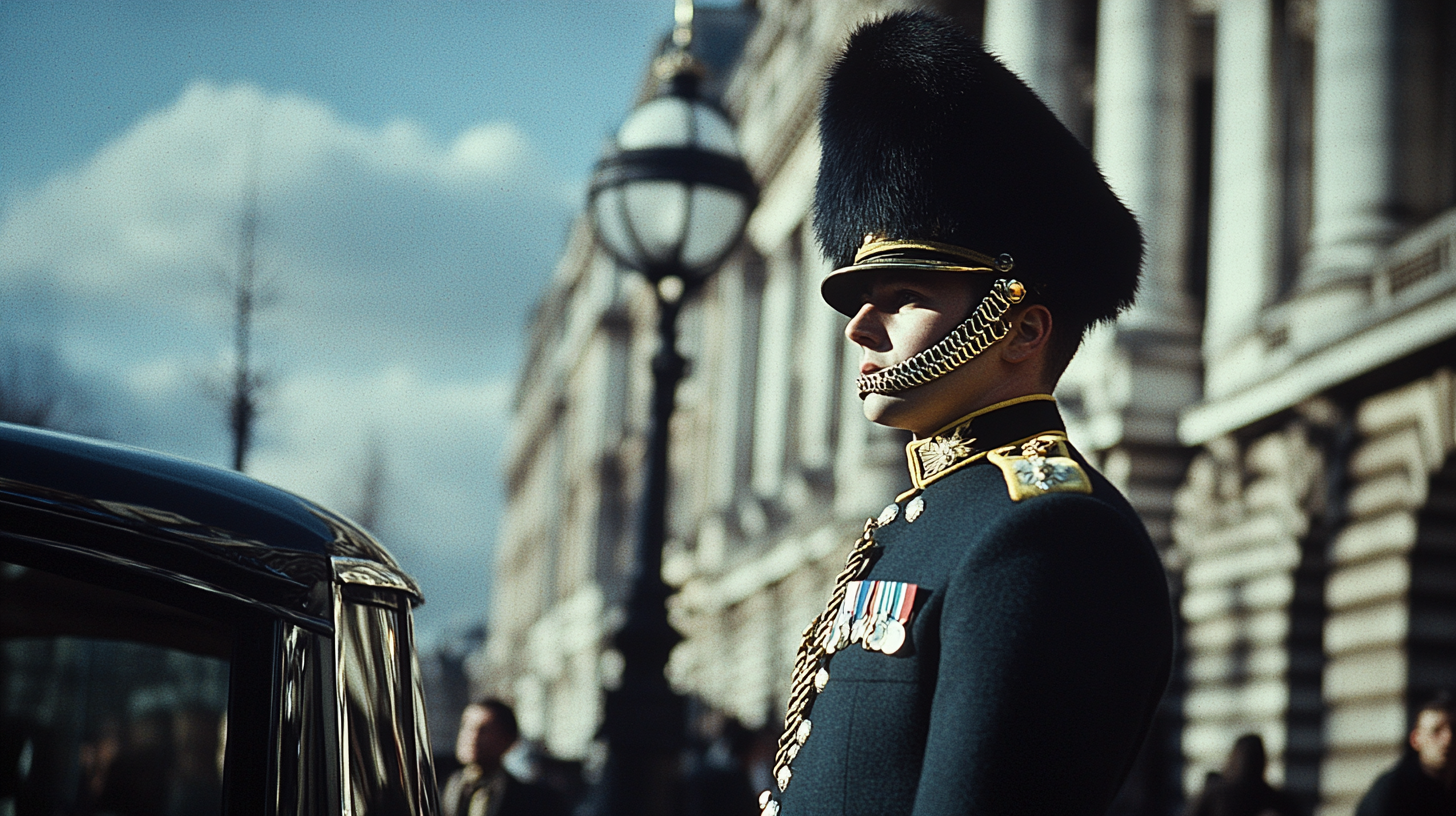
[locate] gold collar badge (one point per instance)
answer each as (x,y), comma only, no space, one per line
(939,455)
(943,452)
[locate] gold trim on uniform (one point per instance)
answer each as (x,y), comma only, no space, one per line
(951,448)
(1039,466)
(875,245)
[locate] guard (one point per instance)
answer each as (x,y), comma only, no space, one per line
(1001,634)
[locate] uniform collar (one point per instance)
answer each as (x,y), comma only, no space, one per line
(969,438)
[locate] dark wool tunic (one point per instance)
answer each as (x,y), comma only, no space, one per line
(1039,646)
(1406,790)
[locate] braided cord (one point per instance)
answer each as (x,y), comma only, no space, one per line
(986,325)
(813,653)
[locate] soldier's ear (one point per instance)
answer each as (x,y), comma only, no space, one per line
(1031,331)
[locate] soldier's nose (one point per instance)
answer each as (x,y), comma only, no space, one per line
(866,329)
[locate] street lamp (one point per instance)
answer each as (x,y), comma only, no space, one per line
(671,201)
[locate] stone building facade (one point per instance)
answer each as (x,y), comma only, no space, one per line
(1279,405)
(1313,530)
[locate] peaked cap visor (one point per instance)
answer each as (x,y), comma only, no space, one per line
(845,288)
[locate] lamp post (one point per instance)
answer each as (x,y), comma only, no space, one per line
(670,202)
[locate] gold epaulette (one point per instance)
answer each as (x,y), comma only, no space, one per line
(1039,466)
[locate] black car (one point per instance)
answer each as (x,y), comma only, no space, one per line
(177,639)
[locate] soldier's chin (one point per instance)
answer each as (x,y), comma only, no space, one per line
(887,409)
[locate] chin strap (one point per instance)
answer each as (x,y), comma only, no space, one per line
(986,325)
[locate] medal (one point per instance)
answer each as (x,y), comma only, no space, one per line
(873,614)
(876,634)
(887,603)
(856,599)
(904,603)
(894,637)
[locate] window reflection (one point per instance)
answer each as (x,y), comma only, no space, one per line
(383,713)
(111,703)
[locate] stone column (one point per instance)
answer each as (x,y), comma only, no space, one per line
(775,365)
(1356,193)
(1034,39)
(1142,142)
(1244,218)
(819,340)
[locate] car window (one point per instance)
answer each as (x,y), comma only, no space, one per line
(112,703)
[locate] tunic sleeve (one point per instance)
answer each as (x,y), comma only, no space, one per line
(1056,640)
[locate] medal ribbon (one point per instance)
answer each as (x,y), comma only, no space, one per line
(907,602)
(891,607)
(861,598)
(886,599)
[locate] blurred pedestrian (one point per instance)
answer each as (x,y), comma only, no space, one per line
(1421,782)
(484,787)
(1241,789)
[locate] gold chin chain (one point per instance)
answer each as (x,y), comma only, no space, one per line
(811,671)
(986,325)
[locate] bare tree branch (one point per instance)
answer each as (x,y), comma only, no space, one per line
(36,388)
(370,510)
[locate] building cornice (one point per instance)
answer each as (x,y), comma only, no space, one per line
(1379,339)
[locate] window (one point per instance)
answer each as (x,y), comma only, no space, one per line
(112,702)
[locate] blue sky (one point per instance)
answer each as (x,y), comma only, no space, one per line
(418,166)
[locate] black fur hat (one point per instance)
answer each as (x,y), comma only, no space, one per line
(928,138)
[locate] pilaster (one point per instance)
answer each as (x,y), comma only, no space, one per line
(1035,39)
(1244,216)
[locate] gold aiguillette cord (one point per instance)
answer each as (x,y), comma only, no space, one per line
(812,654)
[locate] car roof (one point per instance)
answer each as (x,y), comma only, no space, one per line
(177,514)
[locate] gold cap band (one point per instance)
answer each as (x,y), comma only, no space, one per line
(841,290)
(875,246)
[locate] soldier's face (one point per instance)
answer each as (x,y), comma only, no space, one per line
(904,313)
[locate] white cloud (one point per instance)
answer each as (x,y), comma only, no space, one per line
(164,198)
(404,265)
(323,420)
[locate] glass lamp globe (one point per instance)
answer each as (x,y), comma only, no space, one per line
(674,196)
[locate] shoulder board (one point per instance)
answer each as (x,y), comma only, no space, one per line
(1039,466)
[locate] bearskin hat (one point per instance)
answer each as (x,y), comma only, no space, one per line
(927,137)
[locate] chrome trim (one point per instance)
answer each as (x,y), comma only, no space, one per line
(384,755)
(353,543)
(364,572)
(304,776)
(293,616)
